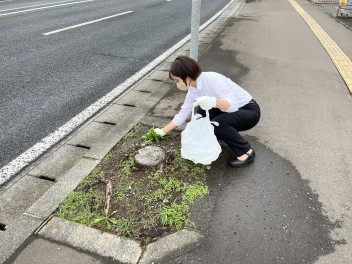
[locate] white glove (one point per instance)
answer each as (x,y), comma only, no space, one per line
(206,102)
(159,132)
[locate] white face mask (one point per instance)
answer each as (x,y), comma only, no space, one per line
(181,84)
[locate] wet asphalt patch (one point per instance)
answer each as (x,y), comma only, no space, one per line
(262,213)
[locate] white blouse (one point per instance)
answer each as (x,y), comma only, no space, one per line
(215,85)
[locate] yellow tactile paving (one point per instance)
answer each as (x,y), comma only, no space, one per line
(342,62)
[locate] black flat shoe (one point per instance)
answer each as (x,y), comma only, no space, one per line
(241,163)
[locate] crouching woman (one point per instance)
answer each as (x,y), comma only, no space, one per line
(229,104)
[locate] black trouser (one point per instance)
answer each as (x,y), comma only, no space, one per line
(230,124)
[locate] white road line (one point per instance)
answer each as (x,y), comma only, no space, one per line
(45,7)
(16,165)
(86,23)
(23,7)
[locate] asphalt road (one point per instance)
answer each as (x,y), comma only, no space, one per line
(48,79)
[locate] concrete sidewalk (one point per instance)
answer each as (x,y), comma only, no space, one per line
(292,205)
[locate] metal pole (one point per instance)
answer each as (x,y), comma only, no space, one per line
(195,28)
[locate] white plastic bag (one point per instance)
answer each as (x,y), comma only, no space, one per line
(198,141)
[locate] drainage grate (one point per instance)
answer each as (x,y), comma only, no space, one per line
(108,123)
(47,178)
(2,227)
(82,146)
(130,105)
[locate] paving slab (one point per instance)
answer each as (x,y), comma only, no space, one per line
(59,162)
(101,137)
(92,240)
(48,203)
(17,199)
(155,121)
(169,105)
(142,101)
(161,76)
(117,114)
(56,253)
(155,97)
(165,67)
(16,234)
(91,135)
(148,85)
(134,98)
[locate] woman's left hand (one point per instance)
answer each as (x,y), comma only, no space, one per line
(206,102)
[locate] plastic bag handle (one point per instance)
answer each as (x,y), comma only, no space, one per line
(194,106)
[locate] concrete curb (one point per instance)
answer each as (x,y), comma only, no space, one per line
(82,151)
(121,249)
(170,246)
(92,240)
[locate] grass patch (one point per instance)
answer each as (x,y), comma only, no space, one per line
(124,198)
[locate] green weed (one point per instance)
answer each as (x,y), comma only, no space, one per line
(79,207)
(151,137)
(193,191)
(124,227)
(174,215)
(106,221)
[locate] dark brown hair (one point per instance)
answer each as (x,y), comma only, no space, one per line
(184,66)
